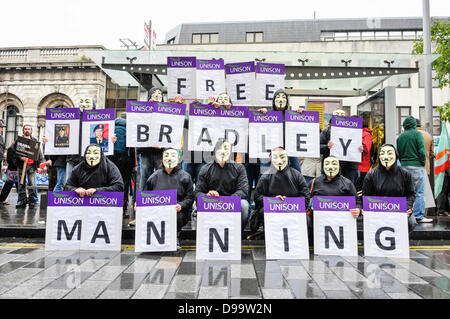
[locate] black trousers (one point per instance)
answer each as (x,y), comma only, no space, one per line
(442,200)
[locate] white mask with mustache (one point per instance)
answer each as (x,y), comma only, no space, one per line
(331,166)
(170,159)
(387,156)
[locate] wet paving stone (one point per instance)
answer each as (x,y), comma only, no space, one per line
(11,266)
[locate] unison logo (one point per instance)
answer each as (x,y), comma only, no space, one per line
(281,206)
(100,200)
(236,68)
(61,114)
(325,203)
(344,122)
(154,199)
(379,204)
(95,115)
(180,62)
(66,199)
(301,117)
(213,204)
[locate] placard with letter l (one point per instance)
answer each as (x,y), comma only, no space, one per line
(285,228)
(102,221)
(335,231)
(385,227)
(346,134)
(218,228)
(156,221)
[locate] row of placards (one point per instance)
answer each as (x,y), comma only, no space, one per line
(157,124)
(78,223)
(246,83)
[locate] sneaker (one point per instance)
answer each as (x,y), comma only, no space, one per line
(440,214)
(178,244)
(21,205)
(425,220)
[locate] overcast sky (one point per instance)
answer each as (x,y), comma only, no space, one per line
(93,22)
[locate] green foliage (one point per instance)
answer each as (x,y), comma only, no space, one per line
(440,37)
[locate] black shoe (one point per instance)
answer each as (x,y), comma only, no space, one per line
(31,205)
(21,205)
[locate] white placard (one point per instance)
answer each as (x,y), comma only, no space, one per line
(181,72)
(63,228)
(210,78)
(62,128)
(98,119)
(139,119)
(302,134)
(346,134)
(240,79)
(167,125)
(269,78)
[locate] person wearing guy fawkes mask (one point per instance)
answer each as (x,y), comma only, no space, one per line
(391,180)
(224,177)
(280,102)
(171,176)
(280,181)
(332,183)
(95,173)
(348,169)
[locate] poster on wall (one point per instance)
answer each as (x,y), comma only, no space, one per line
(139,117)
(269,78)
(218,228)
(346,134)
(302,134)
(240,79)
(386,227)
(265,132)
(335,231)
(285,228)
(181,73)
(210,78)
(98,128)
(156,221)
(62,128)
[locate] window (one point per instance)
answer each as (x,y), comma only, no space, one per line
(327,36)
(368,35)
(381,35)
(395,35)
(202,38)
(354,35)
(116,96)
(405,83)
(11,124)
(254,37)
(171,41)
(437,122)
(409,35)
(340,36)
(403,112)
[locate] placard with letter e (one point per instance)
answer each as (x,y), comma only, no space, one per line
(240,82)
(265,132)
(385,227)
(167,125)
(181,73)
(335,231)
(346,134)
(302,134)
(156,221)
(269,78)
(64,221)
(102,221)
(285,228)
(210,78)
(98,128)
(62,128)
(218,228)
(139,118)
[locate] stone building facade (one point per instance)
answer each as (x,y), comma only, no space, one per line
(33,79)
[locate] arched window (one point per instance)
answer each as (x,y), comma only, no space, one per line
(11,124)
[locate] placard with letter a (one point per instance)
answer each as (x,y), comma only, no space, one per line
(285,227)
(218,228)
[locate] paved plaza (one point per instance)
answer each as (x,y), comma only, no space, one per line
(28,271)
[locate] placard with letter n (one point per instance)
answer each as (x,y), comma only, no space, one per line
(335,231)
(302,134)
(102,221)
(285,227)
(218,228)
(156,221)
(346,134)
(385,227)
(64,221)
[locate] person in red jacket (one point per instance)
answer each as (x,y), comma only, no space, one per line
(364,165)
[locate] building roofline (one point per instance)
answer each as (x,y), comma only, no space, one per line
(56,47)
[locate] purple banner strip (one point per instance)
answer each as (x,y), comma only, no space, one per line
(181,62)
(99,199)
(170,108)
(222,204)
(140,107)
(385,204)
(288,205)
(62,114)
(99,115)
(156,198)
(269,117)
(270,68)
(347,122)
(305,117)
(237,68)
(211,111)
(334,203)
(210,64)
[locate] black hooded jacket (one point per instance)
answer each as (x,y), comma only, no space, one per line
(229,180)
(397,182)
(289,182)
(338,186)
(179,180)
(104,177)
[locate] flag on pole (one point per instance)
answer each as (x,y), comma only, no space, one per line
(442,161)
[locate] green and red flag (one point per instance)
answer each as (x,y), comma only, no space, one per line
(442,161)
